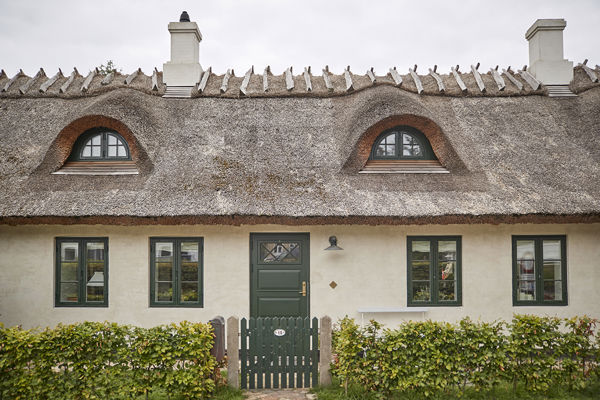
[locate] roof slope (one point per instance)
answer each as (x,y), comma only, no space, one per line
(249,159)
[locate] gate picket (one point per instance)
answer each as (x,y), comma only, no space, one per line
(260,367)
(244,353)
(314,358)
(286,360)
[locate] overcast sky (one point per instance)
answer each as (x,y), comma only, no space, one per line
(279,33)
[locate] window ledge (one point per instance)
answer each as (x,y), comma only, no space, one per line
(98,168)
(403,167)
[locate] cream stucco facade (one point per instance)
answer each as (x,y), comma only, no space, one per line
(369,272)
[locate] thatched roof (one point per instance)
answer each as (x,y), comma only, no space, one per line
(278,157)
(75,85)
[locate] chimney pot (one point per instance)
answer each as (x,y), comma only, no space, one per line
(184,17)
(546,60)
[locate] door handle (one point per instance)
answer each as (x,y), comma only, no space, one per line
(303,291)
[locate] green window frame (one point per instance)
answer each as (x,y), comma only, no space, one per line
(434,270)
(402,143)
(176,271)
(539,270)
(100,144)
(81,272)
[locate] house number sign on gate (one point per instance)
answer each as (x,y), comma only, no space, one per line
(279,332)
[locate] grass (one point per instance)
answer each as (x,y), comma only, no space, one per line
(502,392)
(222,393)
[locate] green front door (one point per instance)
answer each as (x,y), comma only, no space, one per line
(279,275)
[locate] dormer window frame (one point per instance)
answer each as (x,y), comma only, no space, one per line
(87,140)
(400,133)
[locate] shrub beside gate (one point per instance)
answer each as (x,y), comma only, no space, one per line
(94,360)
(430,357)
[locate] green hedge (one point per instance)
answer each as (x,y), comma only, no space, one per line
(432,357)
(94,360)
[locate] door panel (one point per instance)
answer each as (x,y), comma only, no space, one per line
(279,274)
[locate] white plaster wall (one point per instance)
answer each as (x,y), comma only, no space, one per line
(369,272)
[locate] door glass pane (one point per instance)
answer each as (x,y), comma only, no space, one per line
(69,292)
(447,291)
(95,271)
(551,249)
(280,252)
(421,291)
(163,271)
(526,290)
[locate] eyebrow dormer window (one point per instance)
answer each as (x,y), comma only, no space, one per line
(402,143)
(100,144)
(402,150)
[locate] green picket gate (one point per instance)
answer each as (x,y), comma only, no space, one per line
(279,352)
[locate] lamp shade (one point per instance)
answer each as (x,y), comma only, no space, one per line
(333,244)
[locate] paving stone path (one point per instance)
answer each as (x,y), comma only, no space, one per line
(279,394)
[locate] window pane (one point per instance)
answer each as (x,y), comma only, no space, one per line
(420,250)
(447,270)
(407,139)
(551,249)
(552,290)
(112,151)
(69,251)
(96,140)
(95,293)
(112,139)
(189,291)
(552,270)
(164,291)
(189,262)
(525,250)
(69,292)
(447,250)
(407,150)
(87,151)
(421,291)
(121,151)
(95,151)
(420,270)
(447,291)
(526,290)
(164,261)
(95,271)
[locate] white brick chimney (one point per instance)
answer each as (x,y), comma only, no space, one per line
(184,67)
(546,60)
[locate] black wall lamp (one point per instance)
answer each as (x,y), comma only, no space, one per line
(333,244)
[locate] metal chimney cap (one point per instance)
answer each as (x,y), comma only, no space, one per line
(184,17)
